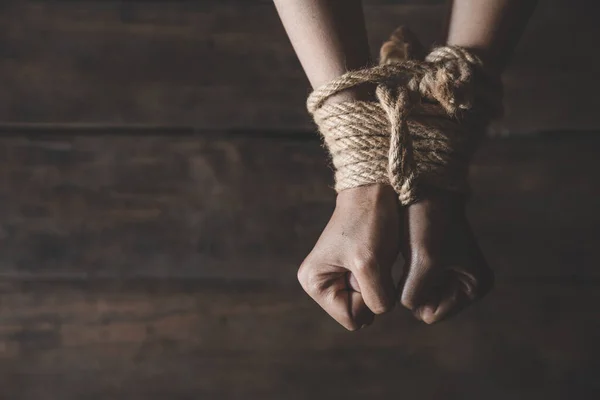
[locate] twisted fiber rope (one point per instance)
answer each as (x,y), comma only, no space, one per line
(411,137)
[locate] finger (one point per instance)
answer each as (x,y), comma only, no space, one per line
(418,285)
(451,301)
(375,284)
(342,303)
(352,282)
(457,292)
(361,314)
(358,309)
(348,308)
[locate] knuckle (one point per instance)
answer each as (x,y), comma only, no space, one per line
(408,301)
(419,271)
(308,279)
(364,261)
(382,307)
(303,273)
(422,261)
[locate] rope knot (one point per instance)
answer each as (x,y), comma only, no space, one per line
(450,78)
(410,136)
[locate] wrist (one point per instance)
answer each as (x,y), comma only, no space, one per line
(445,201)
(375,194)
(364,92)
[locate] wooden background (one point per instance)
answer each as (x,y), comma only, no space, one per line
(222,64)
(160,183)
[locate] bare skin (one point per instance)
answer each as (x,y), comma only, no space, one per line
(490,27)
(446,268)
(348,272)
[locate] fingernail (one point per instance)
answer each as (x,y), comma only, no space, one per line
(417,314)
(427,314)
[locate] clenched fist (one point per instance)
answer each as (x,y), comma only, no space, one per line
(445,270)
(349,271)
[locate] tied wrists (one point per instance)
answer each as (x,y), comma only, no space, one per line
(424,127)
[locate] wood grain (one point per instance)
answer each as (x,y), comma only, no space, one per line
(160,184)
(171,339)
(244,206)
(228,64)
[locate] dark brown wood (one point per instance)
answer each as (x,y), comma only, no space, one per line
(150,339)
(223,64)
(160,205)
(243,206)
(160,263)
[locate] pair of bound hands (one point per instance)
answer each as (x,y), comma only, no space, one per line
(349,271)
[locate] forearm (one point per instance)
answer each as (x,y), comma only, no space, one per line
(490,27)
(329,38)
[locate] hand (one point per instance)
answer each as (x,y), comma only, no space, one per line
(348,272)
(445,269)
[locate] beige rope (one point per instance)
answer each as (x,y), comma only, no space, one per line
(411,137)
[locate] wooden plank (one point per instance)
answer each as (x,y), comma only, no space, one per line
(167,339)
(239,206)
(226,64)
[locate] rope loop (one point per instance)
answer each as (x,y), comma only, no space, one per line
(411,136)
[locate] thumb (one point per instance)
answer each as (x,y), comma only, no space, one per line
(374,283)
(418,284)
(456,293)
(434,294)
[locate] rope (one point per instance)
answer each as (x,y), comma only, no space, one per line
(412,136)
